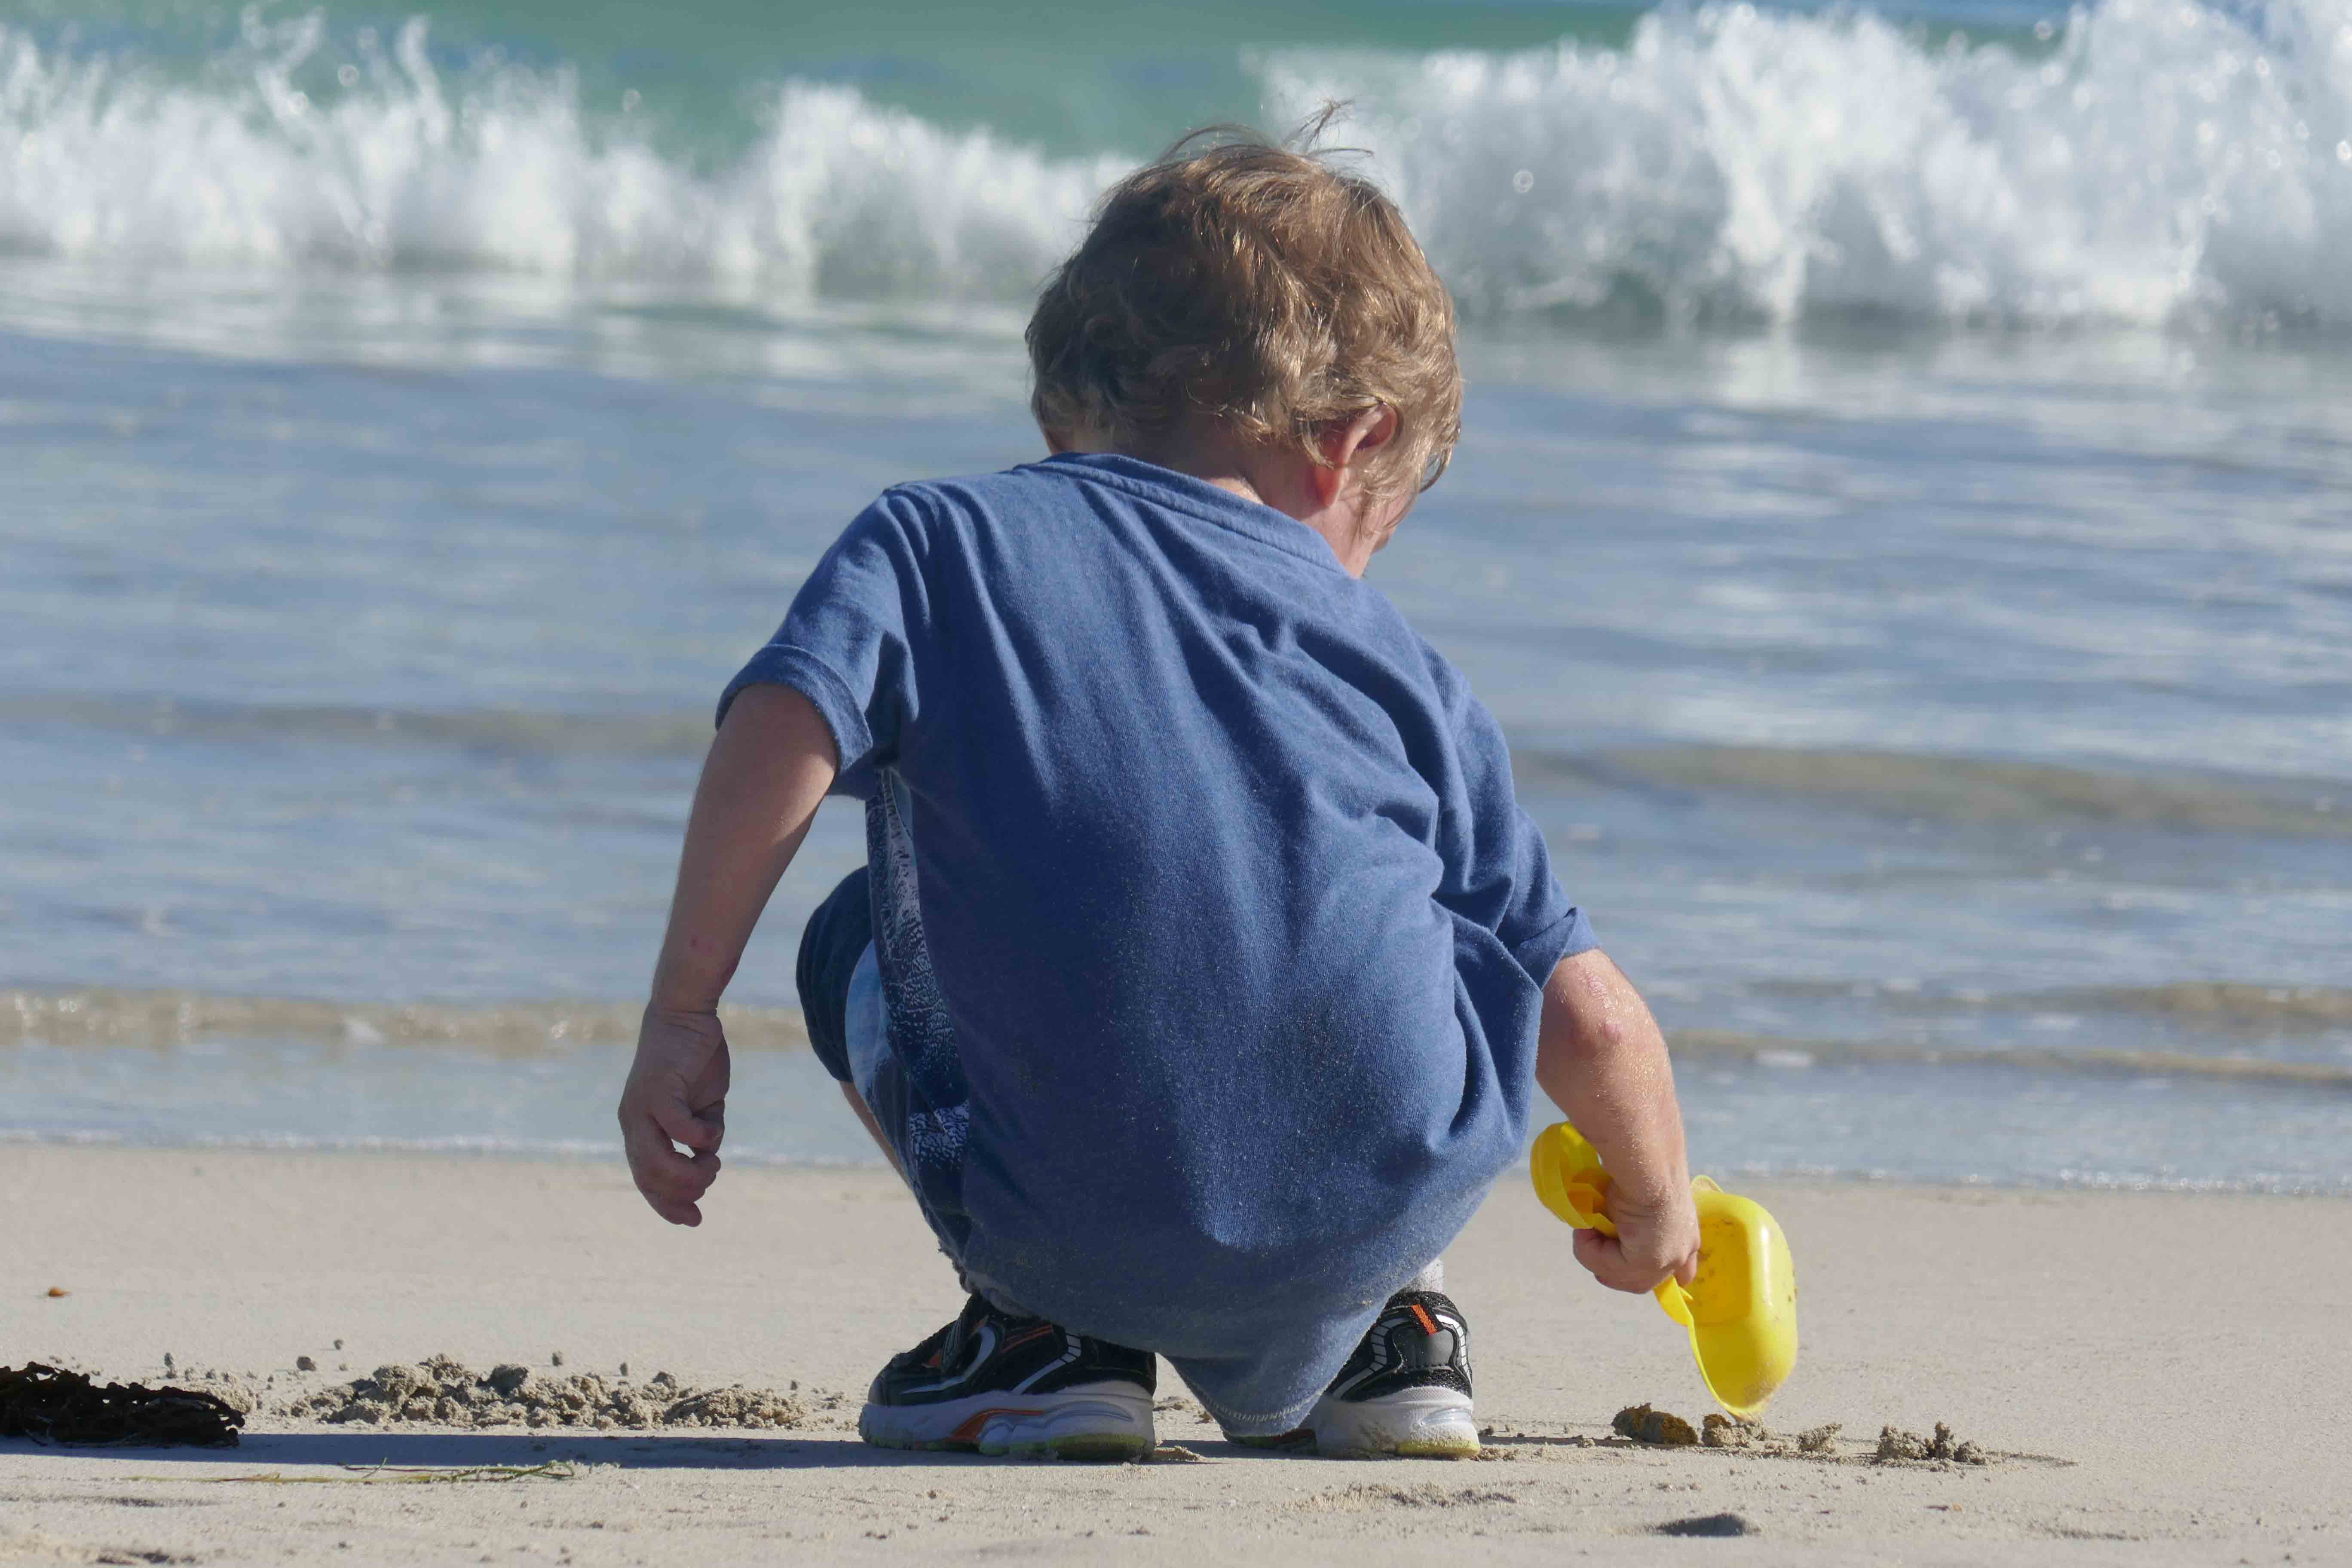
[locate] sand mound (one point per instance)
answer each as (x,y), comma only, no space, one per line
(1717,1431)
(446,1393)
(1899,1447)
(1660,1429)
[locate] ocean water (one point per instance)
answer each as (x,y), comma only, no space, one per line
(1904,525)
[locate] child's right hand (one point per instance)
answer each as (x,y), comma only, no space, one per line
(1651,1242)
(675,1093)
(1602,1059)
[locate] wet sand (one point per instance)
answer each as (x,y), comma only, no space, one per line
(2158,1378)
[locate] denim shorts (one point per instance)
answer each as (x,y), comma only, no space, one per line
(1263,1388)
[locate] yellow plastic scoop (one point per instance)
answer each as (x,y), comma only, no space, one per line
(1741,1309)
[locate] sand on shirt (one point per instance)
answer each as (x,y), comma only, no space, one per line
(2156,1377)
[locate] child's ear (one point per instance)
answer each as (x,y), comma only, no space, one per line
(1347,444)
(1360,436)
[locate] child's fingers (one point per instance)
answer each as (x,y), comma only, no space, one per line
(670,1181)
(1604,1258)
(700,1133)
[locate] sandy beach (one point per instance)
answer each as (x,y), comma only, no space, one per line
(2161,1378)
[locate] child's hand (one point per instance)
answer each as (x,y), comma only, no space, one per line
(1650,1244)
(676,1093)
(1602,1059)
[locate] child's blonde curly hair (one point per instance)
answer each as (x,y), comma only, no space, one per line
(1257,286)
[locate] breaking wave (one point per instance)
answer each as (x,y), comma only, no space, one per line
(2164,160)
(507,170)
(2154,162)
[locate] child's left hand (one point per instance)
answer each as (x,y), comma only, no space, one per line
(675,1093)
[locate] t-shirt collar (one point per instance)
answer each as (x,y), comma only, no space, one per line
(1212,502)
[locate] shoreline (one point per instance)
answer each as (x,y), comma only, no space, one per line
(2156,1401)
(164,1017)
(593,1154)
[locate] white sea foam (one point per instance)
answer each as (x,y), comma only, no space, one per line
(2162,160)
(100,161)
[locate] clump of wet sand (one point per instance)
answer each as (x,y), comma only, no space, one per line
(1659,1428)
(1717,1431)
(1720,1431)
(1899,1447)
(1653,1428)
(243,1392)
(444,1392)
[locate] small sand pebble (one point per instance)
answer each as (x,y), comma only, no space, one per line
(58,1291)
(304,1363)
(556,1360)
(338,1344)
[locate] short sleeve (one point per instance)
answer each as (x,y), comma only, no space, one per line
(847,643)
(1499,870)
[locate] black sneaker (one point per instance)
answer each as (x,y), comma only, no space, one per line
(1001,1385)
(1406,1391)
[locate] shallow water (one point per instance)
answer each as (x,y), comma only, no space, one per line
(1929,669)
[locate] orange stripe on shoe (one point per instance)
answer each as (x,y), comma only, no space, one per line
(1428,1323)
(969,1431)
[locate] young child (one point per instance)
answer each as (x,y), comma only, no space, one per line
(1204,962)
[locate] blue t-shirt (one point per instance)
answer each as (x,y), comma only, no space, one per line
(1212,935)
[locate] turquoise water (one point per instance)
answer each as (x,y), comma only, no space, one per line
(1901,525)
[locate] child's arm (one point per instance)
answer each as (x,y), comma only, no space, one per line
(767,772)
(1602,1059)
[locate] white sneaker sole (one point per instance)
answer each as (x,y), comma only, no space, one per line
(1105,1422)
(1412,1423)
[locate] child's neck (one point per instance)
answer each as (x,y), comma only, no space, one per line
(1285,480)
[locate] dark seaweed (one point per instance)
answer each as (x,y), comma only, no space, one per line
(65,1407)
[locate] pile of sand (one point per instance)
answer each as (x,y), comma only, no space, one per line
(1659,1428)
(243,1392)
(446,1393)
(1717,1431)
(1895,1446)
(1653,1428)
